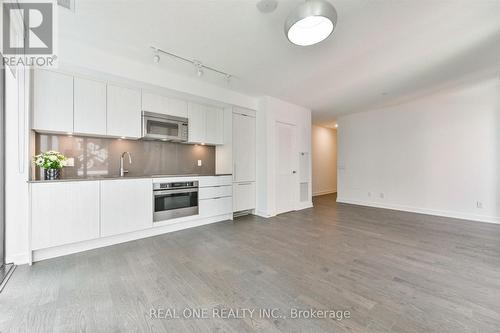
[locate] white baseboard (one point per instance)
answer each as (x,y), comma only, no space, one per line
(315,194)
(63,250)
(426,211)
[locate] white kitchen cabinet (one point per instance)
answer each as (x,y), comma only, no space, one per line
(206,124)
(126,205)
(89,107)
(123,112)
(52,102)
(215,192)
(243,196)
(224,152)
(197,118)
(164,105)
(63,213)
(244,148)
(152,102)
(215,206)
(214,133)
(210,181)
(177,107)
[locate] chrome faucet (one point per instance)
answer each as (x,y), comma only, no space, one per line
(122,170)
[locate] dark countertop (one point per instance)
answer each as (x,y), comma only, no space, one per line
(114,177)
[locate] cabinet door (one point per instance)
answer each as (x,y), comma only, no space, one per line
(126,205)
(244,142)
(152,102)
(90,107)
(243,196)
(214,126)
(124,112)
(53,102)
(63,213)
(177,107)
(197,123)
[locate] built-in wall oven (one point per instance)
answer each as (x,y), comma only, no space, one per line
(174,200)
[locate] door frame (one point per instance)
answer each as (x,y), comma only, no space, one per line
(2,165)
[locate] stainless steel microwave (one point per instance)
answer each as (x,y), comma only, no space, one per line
(157,126)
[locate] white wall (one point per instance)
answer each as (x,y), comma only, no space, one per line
(270,111)
(324,160)
(438,155)
(76,56)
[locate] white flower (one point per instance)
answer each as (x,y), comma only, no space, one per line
(53,158)
(64,163)
(39,161)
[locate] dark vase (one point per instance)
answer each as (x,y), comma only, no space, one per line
(51,174)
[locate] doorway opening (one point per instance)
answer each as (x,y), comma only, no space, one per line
(324,160)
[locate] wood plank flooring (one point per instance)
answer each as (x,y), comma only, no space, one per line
(394,272)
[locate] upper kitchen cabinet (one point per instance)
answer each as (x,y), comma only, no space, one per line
(244,148)
(53,102)
(89,107)
(177,107)
(197,118)
(123,112)
(164,105)
(214,125)
(206,124)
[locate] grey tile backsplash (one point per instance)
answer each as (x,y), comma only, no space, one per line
(95,157)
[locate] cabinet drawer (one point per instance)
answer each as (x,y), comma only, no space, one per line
(215,181)
(243,196)
(215,192)
(215,207)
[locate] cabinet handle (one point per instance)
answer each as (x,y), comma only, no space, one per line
(248,183)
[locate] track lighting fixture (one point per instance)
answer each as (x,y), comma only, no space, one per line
(156,57)
(199,66)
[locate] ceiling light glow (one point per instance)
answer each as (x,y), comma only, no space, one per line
(310,23)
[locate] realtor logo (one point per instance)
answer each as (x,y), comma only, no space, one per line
(28,31)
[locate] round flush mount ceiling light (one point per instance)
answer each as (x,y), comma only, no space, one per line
(311,22)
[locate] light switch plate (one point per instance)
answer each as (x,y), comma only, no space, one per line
(199,163)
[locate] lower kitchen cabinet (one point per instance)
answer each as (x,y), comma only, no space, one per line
(215,206)
(63,213)
(243,196)
(126,205)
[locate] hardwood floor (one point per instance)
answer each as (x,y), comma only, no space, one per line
(394,272)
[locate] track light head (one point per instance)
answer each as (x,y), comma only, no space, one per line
(156,56)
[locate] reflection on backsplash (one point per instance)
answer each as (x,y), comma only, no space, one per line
(94,157)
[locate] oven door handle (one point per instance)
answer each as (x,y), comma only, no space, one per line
(166,192)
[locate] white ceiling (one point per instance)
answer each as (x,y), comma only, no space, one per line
(382,51)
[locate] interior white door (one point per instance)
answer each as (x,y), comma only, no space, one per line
(286,168)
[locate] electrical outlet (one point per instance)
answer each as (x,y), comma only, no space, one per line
(479,204)
(199,163)
(70,162)
(382,195)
